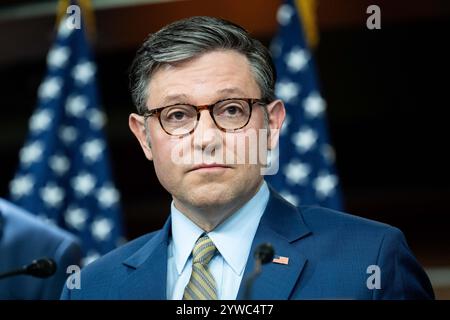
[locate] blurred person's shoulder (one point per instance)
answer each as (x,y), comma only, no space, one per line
(18,225)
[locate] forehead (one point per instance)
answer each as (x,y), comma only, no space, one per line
(213,75)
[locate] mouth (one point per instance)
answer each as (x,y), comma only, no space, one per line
(209,167)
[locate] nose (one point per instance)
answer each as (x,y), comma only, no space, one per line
(206,134)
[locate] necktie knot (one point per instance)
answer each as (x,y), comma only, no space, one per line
(203,251)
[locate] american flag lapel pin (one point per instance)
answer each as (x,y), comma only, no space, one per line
(281,260)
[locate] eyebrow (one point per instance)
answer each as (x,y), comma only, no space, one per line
(181,97)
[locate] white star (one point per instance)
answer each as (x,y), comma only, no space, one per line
(58,56)
(304,139)
(90,257)
(292,198)
(297,172)
(83,72)
(101,228)
(31,153)
(284,127)
(284,14)
(76,217)
(41,120)
(287,90)
(297,59)
(21,186)
(83,184)
(314,105)
(92,150)
(52,195)
(107,196)
(50,88)
(76,105)
(97,119)
(59,164)
(68,134)
(325,184)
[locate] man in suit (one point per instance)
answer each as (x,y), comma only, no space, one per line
(24,238)
(204,89)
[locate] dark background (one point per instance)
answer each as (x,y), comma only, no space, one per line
(387,92)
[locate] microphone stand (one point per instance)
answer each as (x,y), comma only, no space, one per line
(263,254)
(42,268)
(12,273)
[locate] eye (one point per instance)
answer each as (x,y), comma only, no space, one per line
(231,110)
(179,114)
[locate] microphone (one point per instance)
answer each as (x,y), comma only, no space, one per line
(42,268)
(263,254)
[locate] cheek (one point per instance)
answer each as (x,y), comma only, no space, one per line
(168,161)
(161,149)
(248,147)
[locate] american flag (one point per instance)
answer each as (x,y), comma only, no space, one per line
(307,175)
(281,260)
(64,174)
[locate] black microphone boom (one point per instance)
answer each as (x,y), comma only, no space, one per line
(42,268)
(263,254)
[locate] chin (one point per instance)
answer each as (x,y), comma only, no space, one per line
(203,191)
(211,194)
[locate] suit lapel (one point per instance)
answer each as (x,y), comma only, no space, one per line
(281,225)
(148,269)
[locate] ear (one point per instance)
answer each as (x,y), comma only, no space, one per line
(136,123)
(277,113)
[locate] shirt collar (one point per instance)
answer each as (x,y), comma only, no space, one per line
(184,235)
(233,238)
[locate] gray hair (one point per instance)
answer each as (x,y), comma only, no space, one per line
(191,37)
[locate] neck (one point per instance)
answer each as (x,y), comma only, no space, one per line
(208,218)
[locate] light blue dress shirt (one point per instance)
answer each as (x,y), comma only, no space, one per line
(233,240)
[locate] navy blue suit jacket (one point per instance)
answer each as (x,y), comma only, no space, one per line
(24,238)
(329,253)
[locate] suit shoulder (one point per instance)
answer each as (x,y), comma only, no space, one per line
(112,258)
(20,225)
(96,277)
(320,218)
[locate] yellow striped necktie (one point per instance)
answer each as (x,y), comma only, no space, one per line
(202,285)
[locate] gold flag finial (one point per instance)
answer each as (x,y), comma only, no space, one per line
(307,13)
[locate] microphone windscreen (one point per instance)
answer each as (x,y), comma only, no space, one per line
(42,268)
(264,252)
